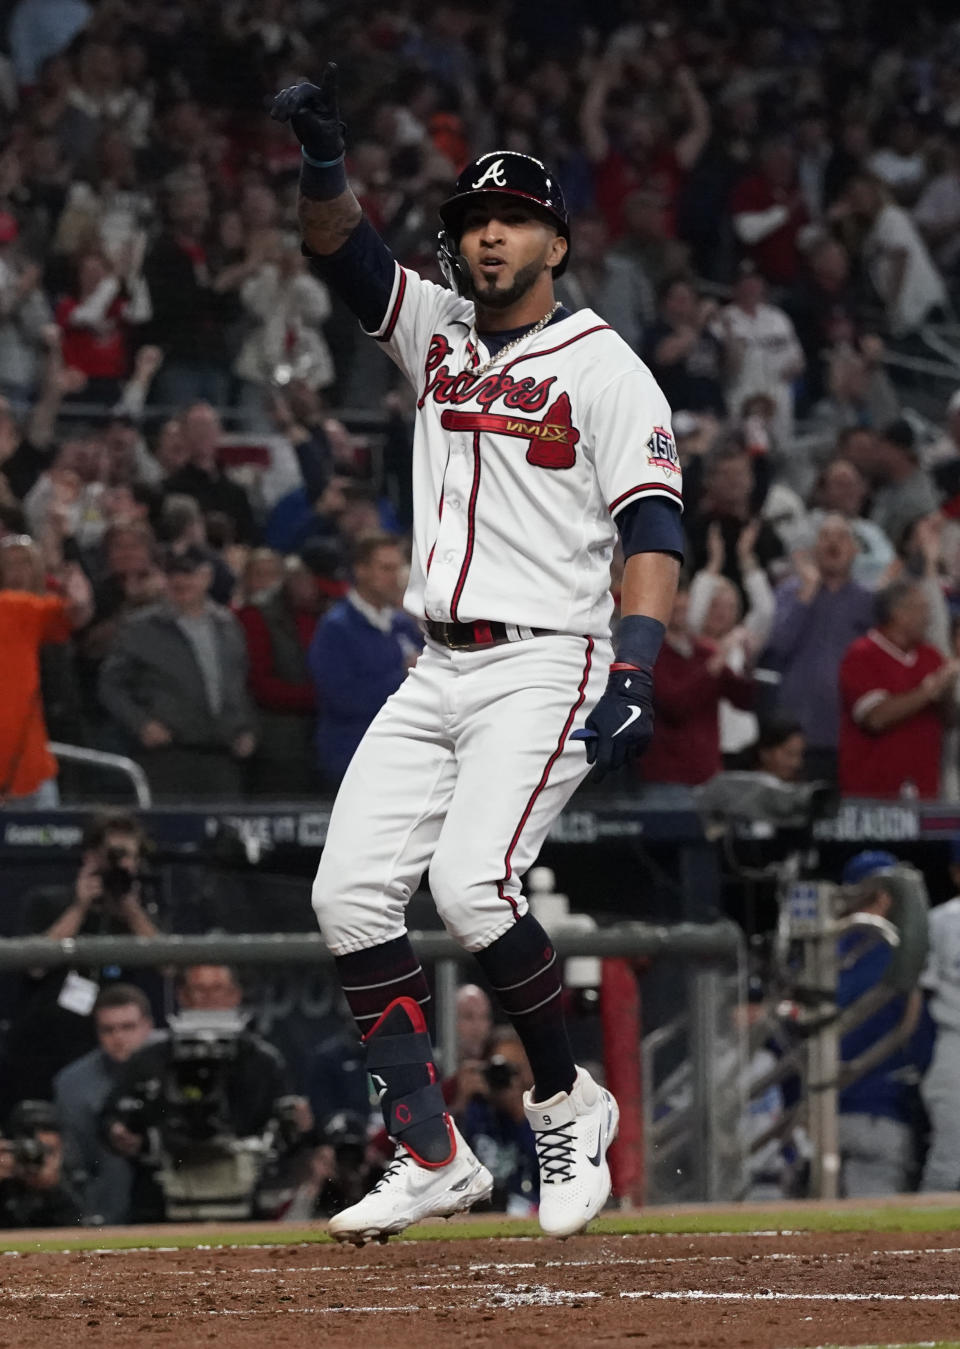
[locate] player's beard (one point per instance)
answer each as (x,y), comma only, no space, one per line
(488,296)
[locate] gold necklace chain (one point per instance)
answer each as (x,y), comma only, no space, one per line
(538,327)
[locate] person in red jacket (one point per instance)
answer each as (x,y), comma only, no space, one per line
(769,213)
(279,628)
(690,678)
(96,321)
(896,692)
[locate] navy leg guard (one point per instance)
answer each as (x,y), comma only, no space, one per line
(400,1061)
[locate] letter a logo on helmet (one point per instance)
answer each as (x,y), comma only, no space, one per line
(494,174)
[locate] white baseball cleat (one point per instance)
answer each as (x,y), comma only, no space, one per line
(573,1131)
(409,1193)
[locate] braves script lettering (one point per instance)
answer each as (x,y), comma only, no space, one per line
(525,394)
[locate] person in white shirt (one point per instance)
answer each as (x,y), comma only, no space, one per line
(901,163)
(898,262)
(762,350)
(937,213)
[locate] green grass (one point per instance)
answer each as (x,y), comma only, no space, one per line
(893,1218)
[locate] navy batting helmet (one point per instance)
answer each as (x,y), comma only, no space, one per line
(509,174)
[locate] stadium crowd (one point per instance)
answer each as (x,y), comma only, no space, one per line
(204,510)
(208,562)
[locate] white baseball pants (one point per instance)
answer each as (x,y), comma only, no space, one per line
(463,770)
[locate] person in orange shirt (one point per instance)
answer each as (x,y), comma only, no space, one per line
(29,618)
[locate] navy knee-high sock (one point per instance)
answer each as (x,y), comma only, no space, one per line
(523,970)
(373,980)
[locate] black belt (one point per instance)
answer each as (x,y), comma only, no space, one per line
(473,636)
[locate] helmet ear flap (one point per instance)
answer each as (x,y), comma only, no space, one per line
(453,264)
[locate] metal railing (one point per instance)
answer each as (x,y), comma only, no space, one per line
(114,763)
(713,1167)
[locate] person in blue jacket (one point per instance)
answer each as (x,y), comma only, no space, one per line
(878,1112)
(360,653)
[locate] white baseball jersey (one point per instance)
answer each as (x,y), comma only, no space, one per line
(941,977)
(768,346)
(517,474)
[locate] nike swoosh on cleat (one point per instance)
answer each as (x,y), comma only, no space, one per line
(632,715)
(594,1157)
(467,1180)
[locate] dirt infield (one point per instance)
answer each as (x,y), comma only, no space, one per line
(773,1290)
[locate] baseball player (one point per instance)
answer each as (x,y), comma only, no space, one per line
(539,433)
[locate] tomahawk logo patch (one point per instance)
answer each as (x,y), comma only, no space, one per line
(662,451)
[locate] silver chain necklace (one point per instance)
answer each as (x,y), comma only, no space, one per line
(538,327)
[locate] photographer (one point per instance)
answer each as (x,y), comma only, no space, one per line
(33,1191)
(187,1108)
(496,1128)
(124,1022)
(53,1024)
(337,1173)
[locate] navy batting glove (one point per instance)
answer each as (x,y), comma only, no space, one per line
(621,724)
(312,111)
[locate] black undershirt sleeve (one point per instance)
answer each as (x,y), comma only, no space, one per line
(651,525)
(361,272)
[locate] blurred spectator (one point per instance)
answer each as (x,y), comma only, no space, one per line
(682,351)
(779,750)
(647,238)
(690,679)
(903,491)
(201,477)
(188,309)
(24,316)
(360,653)
(945,450)
(613,285)
(33,1189)
(842,490)
(729,498)
(645,156)
(289,306)
(279,625)
(820,611)
(474,1028)
(823,308)
(769,213)
(28,771)
(175,682)
(96,317)
(900,268)
(895,693)
(495,1127)
(761,351)
(941,1085)
(859,392)
(52,1024)
(338,1171)
(716,613)
(262,576)
(878,1109)
(123,1022)
(899,161)
(937,213)
(182,527)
